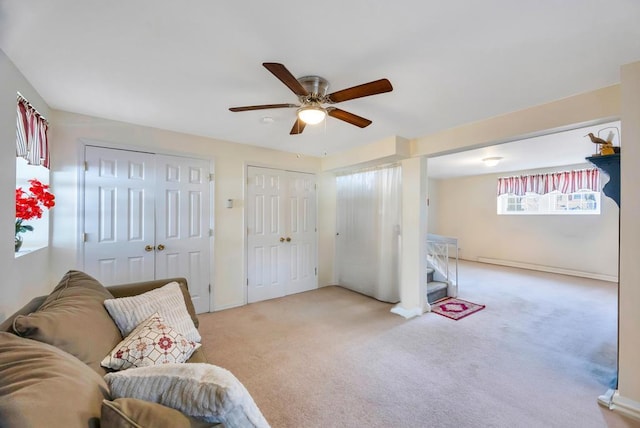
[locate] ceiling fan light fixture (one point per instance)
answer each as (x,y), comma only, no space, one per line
(493,161)
(312,115)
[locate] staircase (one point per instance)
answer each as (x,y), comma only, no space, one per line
(442,275)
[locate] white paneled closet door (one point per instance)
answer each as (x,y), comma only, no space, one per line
(182,224)
(119,215)
(146,216)
(301,218)
(281,233)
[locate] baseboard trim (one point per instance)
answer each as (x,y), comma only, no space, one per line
(231,306)
(550,269)
(406,313)
(625,406)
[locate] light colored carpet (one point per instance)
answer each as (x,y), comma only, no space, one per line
(538,355)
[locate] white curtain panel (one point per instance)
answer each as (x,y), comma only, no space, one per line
(368,226)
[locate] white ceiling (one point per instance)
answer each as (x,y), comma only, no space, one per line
(181,65)
(551,150)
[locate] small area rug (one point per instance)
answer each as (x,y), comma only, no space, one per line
(455,308)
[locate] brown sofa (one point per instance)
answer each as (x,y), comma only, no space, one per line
(50,374)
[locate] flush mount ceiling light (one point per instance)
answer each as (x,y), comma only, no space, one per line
(493,161)
(312,114)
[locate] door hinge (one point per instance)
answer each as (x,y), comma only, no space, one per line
(212,176)
(316,269)
(247,282)
(86,166)
(84,237)
(210,232)
(209,288)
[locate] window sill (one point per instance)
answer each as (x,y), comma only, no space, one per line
(24,251)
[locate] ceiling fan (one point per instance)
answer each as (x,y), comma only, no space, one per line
(312,95)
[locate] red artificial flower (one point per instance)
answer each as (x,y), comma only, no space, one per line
(29,205)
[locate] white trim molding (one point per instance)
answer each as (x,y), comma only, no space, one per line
(406,313)
(625,406)
(550,269)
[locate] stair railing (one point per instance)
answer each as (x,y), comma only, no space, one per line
(438,257)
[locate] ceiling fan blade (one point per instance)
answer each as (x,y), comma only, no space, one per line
(372,88)
(285,76)
(298,127)
(262,107)
(349,117)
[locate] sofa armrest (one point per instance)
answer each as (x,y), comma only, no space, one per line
(135,288)
(32,306)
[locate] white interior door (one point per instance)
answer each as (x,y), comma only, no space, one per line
(182,224)
(301,219)
(281,233)
(147,217)
(266,261)
(119,215)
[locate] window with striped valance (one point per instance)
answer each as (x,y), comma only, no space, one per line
(31,134)
(564,182)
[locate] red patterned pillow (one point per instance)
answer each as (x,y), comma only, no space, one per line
(151,343)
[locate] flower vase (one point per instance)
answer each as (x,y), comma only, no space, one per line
(18,242)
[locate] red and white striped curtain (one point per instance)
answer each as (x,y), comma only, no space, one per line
(31,135)
(564,182)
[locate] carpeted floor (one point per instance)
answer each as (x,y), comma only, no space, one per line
(538,355)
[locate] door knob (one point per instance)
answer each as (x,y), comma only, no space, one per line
(160,247)
(288,239)
(148,248)
(281,239)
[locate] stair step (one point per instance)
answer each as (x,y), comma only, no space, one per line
(430,274)
(434,286)
(436,290)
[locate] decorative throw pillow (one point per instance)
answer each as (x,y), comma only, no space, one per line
(152,342)
(167,301)
(203,391)
(43,386)
(73,318)
(134,413)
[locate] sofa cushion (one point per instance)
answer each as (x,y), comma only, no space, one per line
(167,301)
(73,318)
(134,413)
(203,391)
(152,342)
(43,386)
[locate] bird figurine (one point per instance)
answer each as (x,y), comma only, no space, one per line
(606,147)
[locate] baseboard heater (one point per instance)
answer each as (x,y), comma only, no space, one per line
(549,269)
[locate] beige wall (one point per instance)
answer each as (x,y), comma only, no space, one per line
(594,106)
(69,133)
(27,275)
(465,208)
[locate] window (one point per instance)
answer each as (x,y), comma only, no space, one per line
(567,192)
(583,202)
(32,163)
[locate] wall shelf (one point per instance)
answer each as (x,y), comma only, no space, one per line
(610,165)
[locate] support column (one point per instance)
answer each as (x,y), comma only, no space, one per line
(413,257)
